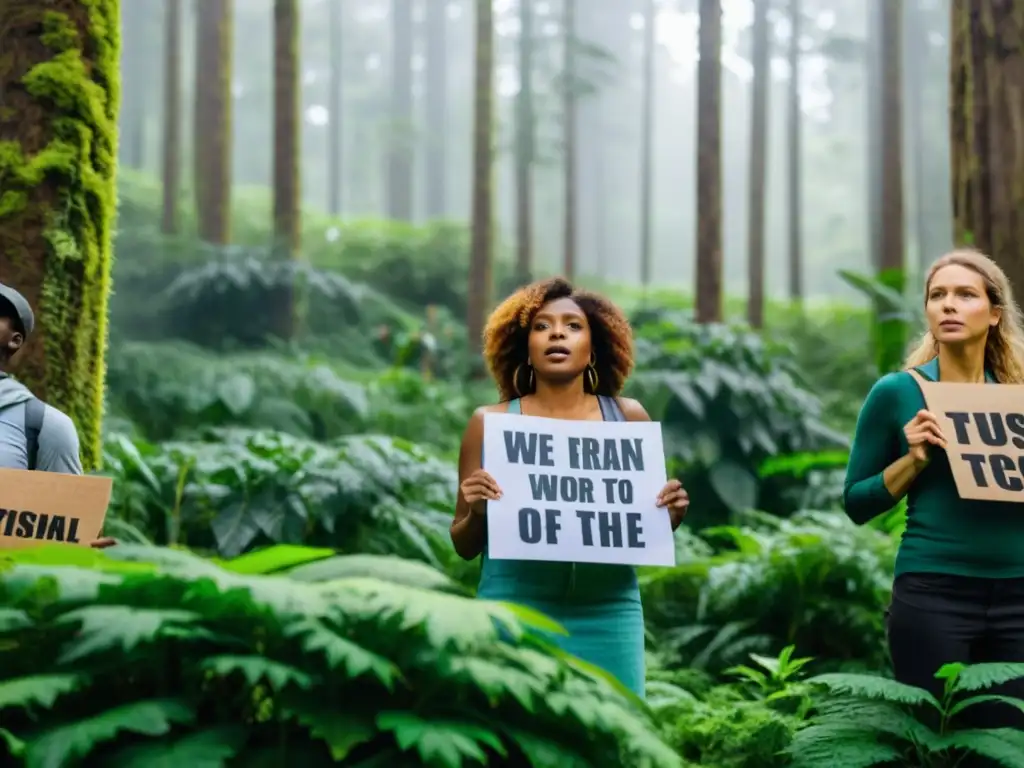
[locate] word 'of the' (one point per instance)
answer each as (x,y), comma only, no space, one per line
(33,525)
(533,527)
(624,454)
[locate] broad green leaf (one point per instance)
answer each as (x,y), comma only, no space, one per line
(12,619)
(340,652)
(341,731)
(838,747)
(383,567)
(542,752)
(273,559)
(39,690)
(1005,746)
(871,687)
(62,745)
(256,668)
(120,627)
(735,485)
(203,749)
(976,677)
(983,699)
(440,742)
(534,618)
(15,746)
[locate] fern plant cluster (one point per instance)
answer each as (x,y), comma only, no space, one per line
(814,580)
(155,656)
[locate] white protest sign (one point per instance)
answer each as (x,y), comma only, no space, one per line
(576,491)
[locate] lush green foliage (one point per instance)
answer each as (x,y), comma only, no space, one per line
(156,656)
(367,649)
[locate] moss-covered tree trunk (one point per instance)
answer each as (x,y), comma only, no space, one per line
(212,128)
(59,99)
(986,129)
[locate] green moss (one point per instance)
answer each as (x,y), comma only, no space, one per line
(67,184)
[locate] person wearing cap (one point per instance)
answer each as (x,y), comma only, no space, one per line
(33,435)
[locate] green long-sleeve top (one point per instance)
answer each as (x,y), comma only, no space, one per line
(944,533)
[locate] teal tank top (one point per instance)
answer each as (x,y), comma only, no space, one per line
(533,580)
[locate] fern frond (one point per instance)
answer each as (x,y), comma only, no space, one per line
(976,677)
(1005,746)
(873,687)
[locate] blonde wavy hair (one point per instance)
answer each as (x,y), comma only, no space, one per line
(1004,346)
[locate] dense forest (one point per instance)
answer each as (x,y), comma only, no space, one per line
(263,237)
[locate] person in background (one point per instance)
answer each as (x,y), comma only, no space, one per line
(958,594)
(33,434)
(560,353)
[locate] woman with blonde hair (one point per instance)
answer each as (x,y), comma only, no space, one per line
(958,594)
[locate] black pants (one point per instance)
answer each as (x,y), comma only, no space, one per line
(936,619)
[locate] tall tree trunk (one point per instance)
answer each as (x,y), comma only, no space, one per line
(287,215)
(57,213)
(892,333)
(335,137)
(758,166)
(524,146)
(916,61)
(483,158)
(399,170)
(287,230)
(172,116)
(793,178)
(646,145)
(986,115)
(212,129)
(437,109)
(569,142)
(708,259)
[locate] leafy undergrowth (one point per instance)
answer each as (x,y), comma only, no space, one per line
(149,656)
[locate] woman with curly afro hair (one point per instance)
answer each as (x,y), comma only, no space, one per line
(564,354)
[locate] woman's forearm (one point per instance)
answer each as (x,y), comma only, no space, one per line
(900,475)
(469,534)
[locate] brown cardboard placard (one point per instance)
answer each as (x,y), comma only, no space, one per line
(39,508)
(984,429)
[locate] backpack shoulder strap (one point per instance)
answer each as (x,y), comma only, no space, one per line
(35,411)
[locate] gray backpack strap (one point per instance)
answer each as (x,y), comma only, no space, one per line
(34,413)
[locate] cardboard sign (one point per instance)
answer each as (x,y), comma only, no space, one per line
(47,508)
(576,491)
(984,429)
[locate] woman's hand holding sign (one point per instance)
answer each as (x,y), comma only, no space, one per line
(675,497)
(477,489)
(921,432)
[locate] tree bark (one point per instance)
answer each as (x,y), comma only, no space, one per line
(58,158)
(892,138)
(986,119)
(708,301)
(212,129)
(172,117)
(286,128)
(524,146)
(483,116)
(758,166)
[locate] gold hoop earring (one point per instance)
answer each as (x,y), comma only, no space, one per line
(592,378)
(515,378)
